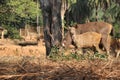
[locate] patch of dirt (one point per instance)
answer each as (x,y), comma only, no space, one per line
(64,70)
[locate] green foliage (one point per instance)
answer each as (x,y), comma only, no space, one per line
(112,13)
(100,56)
(12,32)
(14,14)
(71,2)
(92,9)
(58,55)
(55,53)
(117,30)
(99,16)
(17,13)
(24,8)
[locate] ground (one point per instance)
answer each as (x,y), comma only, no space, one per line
(29,63)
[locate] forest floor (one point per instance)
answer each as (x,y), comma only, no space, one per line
(30,63)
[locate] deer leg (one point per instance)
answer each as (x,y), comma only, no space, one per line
(106,43)
(98,49)
(118,53)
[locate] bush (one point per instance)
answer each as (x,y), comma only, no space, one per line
(12,32)
(116,30)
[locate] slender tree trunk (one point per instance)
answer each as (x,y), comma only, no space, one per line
(64,7)
(52,27)
(37,20)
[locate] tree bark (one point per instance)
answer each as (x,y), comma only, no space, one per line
(56,28)
(52,27)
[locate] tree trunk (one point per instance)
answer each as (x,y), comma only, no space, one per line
(64,7)
(37,20)
(52,27)
(56,28)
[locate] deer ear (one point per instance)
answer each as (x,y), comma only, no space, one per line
(69,28)
(119,40)
(76,26)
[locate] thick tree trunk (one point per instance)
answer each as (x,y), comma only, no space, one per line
(52,23)
(56,28)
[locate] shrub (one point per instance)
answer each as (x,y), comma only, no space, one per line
(12,32)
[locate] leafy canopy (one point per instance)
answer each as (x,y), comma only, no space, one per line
(24,8)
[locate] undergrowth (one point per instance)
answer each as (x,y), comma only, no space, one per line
(57,54)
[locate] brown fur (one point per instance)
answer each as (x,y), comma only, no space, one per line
(115,46)
(67,41)
(87,39)
(100,27)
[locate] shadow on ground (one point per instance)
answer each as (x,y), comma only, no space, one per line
(36,69)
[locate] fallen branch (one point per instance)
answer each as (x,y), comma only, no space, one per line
(20,75)
(25,43)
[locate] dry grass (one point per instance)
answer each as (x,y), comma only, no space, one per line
(31,65)
(37,69)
